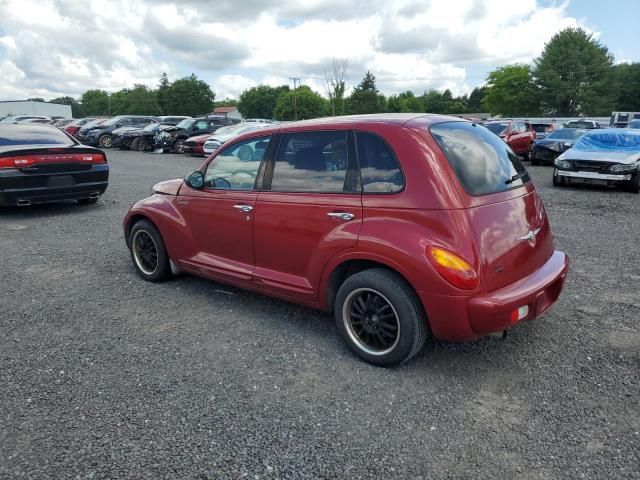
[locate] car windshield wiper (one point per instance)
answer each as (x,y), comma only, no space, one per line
(517,176)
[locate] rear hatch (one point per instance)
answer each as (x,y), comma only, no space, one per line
(504,209)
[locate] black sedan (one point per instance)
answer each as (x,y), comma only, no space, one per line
(40,164)
(546,150)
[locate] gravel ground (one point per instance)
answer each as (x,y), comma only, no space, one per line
(103,375)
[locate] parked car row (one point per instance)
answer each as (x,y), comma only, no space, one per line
(37,119)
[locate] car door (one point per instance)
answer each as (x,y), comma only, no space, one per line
(310,210)
(515,137)
(219,217)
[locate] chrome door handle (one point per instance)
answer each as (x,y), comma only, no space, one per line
(243,208)
(346,216)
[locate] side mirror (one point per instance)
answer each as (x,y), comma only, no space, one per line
(195,180)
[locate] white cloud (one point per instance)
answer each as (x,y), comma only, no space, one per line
(52,47)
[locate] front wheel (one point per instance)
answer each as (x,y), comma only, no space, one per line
(138,144)
(177,146)
(105,141)
(557,182)
(148,252)
(380,318)
(633,185)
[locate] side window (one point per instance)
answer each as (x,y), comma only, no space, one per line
(236,167)
(312,162)
(379,167)
(125,122)
(200,125)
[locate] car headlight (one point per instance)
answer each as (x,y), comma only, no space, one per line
(620,168)
(562,163)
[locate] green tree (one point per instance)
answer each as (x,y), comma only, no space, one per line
(309,104)
(163,86)
(574,74)
(335,85)
(260,101)
(365,98)
(474,103)
(188,96)
(626,77)
(76,108)
(95,102)
(443,102)
(511,90)
(141,100)
(405,102)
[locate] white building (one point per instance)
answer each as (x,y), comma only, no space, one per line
(29,107)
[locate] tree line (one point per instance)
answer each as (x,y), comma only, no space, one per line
(574,75)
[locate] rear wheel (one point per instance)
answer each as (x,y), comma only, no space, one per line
(380,318)
(148,252)
(105,141)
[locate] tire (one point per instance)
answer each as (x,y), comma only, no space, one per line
(141,253)
(87,201)
(556,180)
(177,145)
(105,141)
(357,297)
(138,145)
(633,185)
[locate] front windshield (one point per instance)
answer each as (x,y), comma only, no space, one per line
(497,128)
(634,124)
(580,124)
(186,123)
(565,134)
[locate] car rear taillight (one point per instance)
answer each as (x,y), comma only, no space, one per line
(22,161)
(454,269)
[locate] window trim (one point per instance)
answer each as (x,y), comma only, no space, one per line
(260,173)
(395,156)
(351,164)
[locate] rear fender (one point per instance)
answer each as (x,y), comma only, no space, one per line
(401,245)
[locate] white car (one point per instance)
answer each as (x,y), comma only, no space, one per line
(225,134)
(23,118)
(608,157)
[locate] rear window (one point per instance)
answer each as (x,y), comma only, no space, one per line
(483,163)
(32,135)
(497,128)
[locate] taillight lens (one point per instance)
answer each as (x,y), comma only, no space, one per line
(453,268)
(23,161)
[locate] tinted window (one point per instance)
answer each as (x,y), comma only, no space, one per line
(483,163)
(32,135)
(311,162)
(201,125)
(379,168)
(236,167)
(634,124)
(497,128)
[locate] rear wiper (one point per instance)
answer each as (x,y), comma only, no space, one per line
(517,176)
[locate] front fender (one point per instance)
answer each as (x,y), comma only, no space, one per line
(163,212)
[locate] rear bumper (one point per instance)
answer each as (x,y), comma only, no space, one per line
(18,188)
(468,318)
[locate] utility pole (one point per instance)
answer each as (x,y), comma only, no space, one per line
(295,97)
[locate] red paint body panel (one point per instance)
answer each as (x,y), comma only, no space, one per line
(294,238)
(288,247)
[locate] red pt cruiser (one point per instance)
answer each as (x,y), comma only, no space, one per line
(404,226)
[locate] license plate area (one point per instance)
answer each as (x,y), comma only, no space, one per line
(60,181)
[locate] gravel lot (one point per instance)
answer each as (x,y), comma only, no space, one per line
(103,375)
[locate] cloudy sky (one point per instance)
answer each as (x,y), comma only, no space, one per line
(50,48)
